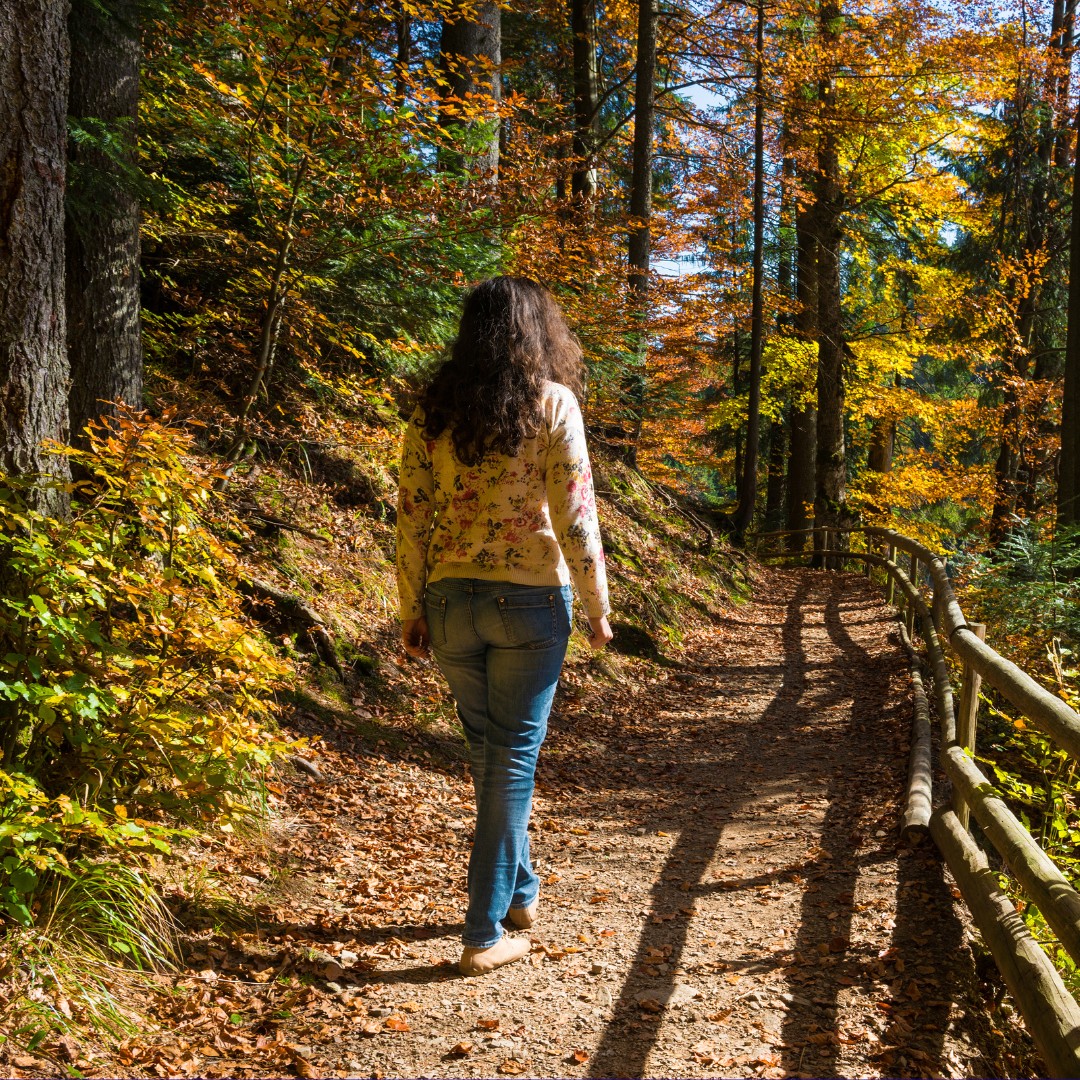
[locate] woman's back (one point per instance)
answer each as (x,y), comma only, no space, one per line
(529,518)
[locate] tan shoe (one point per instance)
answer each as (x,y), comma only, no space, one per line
(505,951)
(524,917)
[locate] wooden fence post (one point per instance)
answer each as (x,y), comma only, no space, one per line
(890,587)
(913,577)
(967,719)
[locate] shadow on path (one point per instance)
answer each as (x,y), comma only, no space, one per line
(833,730)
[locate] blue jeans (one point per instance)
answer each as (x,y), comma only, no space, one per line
(501,648)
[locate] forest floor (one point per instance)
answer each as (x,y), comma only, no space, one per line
(723,889)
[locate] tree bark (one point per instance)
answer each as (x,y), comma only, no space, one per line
(404,54)
(1068,499)
(34,69)
(774,482)
(744,515)
(102,235)
(470,57)
(586,98)
(830,490)
(640,243)
(803,443)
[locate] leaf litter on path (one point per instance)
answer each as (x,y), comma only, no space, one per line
(723,893)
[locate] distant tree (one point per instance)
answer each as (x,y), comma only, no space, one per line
(1068,502)
(102,236)
(470,55)
(830,489)
(744,513)
(33,149)
(586,98)
(641,183)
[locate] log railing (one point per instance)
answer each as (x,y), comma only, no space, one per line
(1050,1011)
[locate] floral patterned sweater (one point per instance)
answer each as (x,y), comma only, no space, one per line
(529,519)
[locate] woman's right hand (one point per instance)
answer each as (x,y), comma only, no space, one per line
(601,633)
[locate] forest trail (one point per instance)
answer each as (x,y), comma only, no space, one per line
(724,894)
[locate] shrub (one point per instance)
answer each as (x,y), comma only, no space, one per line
(135,696)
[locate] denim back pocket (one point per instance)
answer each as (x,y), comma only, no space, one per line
(530,621)
(435,610)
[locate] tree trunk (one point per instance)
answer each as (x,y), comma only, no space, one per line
(1068,500)
(744,515)
(470,56)
(103,330)
(640,243)
(830,490)
(33,149)
(586,98)
(774,483)
(803,443)
(404,54)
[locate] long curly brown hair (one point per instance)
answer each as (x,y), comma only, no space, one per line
(512,339)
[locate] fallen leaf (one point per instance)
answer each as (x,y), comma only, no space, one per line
(579,1057)
(461,1048)
(510,1067)
(488,1025)
(396,1023)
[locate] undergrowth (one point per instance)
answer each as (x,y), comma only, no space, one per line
(140,696)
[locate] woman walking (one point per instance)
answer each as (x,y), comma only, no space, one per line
(496,517)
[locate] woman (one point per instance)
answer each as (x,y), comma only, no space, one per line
(496,516)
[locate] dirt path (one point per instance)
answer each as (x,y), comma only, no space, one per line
(723,890)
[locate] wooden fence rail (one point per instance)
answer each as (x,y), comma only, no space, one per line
(1050,1012)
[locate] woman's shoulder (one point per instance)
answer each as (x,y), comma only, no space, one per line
(558,398)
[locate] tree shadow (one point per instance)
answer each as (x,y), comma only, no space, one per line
(714,779)
(625,1046)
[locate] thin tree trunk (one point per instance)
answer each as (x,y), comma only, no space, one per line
(102,236)
(744,515)
(831,467)
(774,482)
(640,243)
(404,55)
(1068,500)
(470,58)
(34,72)
(275,300)
(803,443)
(586,98)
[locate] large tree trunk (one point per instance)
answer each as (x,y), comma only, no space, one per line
(830,491)
(1068,500)
(744,515)
(586,98)
(640,244)
(33,148)
(470,56)
(803,442)
(103,330)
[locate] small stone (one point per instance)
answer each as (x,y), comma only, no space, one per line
(597,968)
(379,1010)
(346,957)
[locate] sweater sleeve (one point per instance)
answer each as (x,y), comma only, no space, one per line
(415,511)
(572,504)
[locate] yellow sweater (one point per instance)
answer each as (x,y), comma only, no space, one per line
(529,519)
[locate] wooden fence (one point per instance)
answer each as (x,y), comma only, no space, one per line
(1050,1012)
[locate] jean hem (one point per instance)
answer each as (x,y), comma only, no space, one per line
(481,945)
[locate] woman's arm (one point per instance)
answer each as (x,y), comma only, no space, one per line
(415,511)
(572,504)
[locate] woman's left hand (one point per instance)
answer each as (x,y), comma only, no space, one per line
(415,638)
